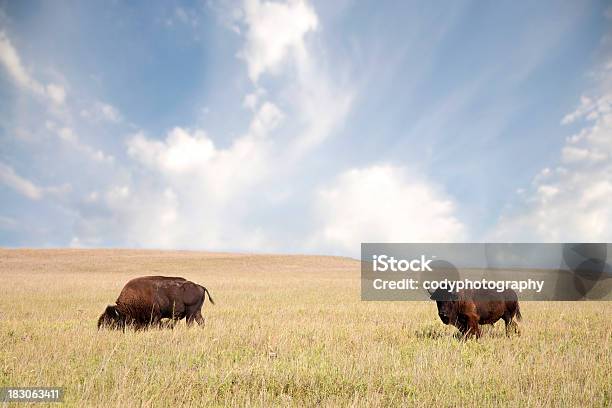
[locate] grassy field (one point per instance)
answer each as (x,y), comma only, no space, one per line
(286,330)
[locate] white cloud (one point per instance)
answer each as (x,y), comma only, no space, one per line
(572,202)
(384,204)
(275,43)
(68,136)
(267,118)
(275,34)
(193,154)
(20,184)
(251,100)
(12,62)
(191,193)
(576,154)
(101,111)
(57,93)
(181,152)
(109,112)
(27,188)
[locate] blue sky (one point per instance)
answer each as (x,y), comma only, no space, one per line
(303,126)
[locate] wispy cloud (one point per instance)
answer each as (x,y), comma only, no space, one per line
(68,136)
(100,111)
(275,43)
(20,184)
(571,202)
(25,187)
(12,62)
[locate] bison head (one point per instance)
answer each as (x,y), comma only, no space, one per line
(447,305)
(111,318)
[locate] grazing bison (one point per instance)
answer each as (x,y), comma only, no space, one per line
(467,309)
(144,301)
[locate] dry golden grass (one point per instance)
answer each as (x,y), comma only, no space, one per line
(286,330)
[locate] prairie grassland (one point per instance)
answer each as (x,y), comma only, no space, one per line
(286,330)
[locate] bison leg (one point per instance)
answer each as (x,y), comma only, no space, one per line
(508,323)
(514,327)
(470,326)
(197,316)
(194,312)
(511,325)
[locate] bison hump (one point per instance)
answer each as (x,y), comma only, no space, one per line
(163,278)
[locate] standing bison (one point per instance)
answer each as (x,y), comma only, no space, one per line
(467,309)
(144,301)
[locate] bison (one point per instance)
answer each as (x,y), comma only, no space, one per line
(467,309)
(145,301)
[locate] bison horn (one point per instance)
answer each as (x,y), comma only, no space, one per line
(110,309)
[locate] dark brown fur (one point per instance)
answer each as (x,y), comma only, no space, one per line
(468,309)
(144,301)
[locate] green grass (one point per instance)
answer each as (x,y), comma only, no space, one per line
(285,331)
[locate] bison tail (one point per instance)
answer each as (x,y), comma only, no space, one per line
(519,317)
(209,298)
